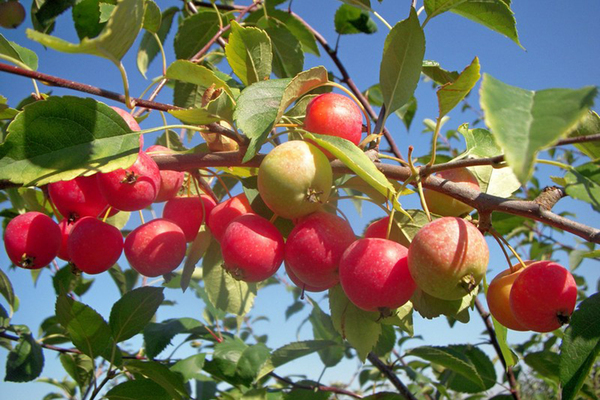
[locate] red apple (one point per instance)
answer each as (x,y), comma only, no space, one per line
(155,248)
(252,248)
(94,246)
(374,275)
(296,281)
(498,297)
(448,258)
(32,240)
(131,122)
(189,213)
(78,197)
(543,296)
(336,115)
(379,229)
(170,181)
(12,14)
(314,247)
(225,212)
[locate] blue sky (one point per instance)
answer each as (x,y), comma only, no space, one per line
(561,50)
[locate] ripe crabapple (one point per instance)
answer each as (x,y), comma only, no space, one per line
(314,247)
(296,281)
(336,115)
(32,240)
(189,213)
(225,212)
(252,248)
(65,225)
(294,179)
(170,181)
(155,248)
(94,246)
(133,188)
(543,296)
(498,295)
(448,258)
(12,14)
(442,204)
(374,275)
(78,197)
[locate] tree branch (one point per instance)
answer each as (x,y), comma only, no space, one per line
(489,326)
(320,388)
(391,376)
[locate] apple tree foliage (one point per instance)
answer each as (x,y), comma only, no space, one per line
(263,44)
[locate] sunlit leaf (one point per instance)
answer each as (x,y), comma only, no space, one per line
(450,94)
(12,52)
(149,49)
(132,312)
(249,53)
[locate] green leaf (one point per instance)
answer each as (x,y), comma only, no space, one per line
(257,110)
(157,336)
(360,328)
(323,329)
(401,317)
(580,346)
(298,29)
(433,71)
(465,361)
(195,32)
(493,14)
(79,367)
(500,182)
(25,362)
(236,362)
(152,17)
(149,49)
(546,363)
(190,367)
(401,63)
(145,389)
(195,251)
(5,111)
(12,52)
(44,13)
(501,331)
(87,329)
(196,116)
(86,16)
(300,85)
(583,183)
(63,137)
(249,53)
(112,43)
(355,159)
(450,94)
(161,374)
(288,56)
(430,307)
(349,20)
(436,7)
(132,312)
(590,125)
(6,289)
(125,280)
(293,351)
(187,71)
(524,122)
(225,292)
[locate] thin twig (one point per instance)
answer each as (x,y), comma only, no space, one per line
(510,376)
(320,388)
(391,376)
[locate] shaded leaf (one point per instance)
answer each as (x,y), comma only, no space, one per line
(298,29)
(590,125)
(249,53)
(546,363)
(430,307)
(288,56)
(190,367)
(436,73)
(583,183)
(406,113)
(363,4)
(132,312)
(63,137)
(195,32)
(112,43)
(401,63)
(25,362)
(323,329)
(86,16)
(170,381)
(524,122)
(300,85)
(79,367)
(225,292)
(580,346)
(236,362)
(509,357)
(194,253)
(149,49)
(360,328)
(157,336)
(152,17)
(7,291)
(138,389)
(349,20)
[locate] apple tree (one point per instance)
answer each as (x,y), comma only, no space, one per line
(244,186)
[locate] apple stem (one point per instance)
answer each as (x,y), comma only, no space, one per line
(141,217)
(106,213)
(273,218)
(499,237)
(414,173)
(501,244)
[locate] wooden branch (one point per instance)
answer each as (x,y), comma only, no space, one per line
(313,388)
(389,373)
